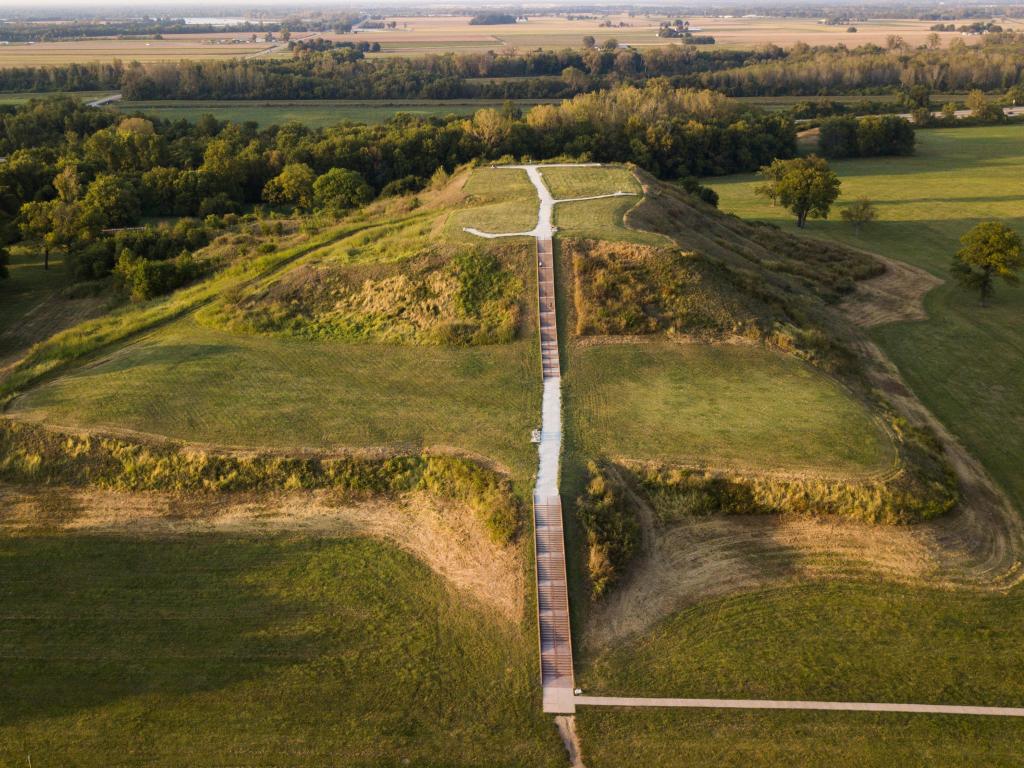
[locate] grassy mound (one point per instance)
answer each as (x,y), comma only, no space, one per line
(963,363)
(626,288)
(203,385)
(442,295)
(738,406)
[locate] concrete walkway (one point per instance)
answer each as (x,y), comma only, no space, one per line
(831,706)
(555,632)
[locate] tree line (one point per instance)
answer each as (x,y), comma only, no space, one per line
(74,174)
(345,73)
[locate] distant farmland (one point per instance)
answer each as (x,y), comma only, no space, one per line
(171,48)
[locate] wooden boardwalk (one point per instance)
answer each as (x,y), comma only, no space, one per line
(552,587)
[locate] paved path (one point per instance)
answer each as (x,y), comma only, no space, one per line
(549,540)
(834,706)
(105,100)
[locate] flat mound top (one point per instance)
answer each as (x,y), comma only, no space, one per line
(565,183)
(736,406)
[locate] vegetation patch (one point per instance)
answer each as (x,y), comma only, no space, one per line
(923,488)
(610,524)
(445,295)
(734,406)
(38,456)
(627,288)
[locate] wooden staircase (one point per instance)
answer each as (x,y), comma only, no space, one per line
(555,632)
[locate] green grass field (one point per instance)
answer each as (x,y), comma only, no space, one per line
(657,738)
(500,200)
(964,362)
(199,384)
(833,642)
(566,183)
(602,220)
(312,113)
(216,649)
(726,406)
(18,98)
(830,641)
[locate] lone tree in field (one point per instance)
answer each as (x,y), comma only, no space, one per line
(860,212)
(805,185)
(990,250)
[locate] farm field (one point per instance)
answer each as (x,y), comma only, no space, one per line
(721,406)
(172,47)
(14,99)
(437,34)
(964,362)
(203,385)
(312,113)
(255,650)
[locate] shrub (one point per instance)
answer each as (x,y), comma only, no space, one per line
(613,534)
(33,454)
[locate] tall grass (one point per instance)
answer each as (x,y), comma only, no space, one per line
(35,455)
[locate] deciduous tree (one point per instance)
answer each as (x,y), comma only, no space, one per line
(990,250)
(805,185)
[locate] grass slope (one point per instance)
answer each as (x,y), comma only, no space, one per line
(200,384)
(965,363)
(725,406)
(213,650)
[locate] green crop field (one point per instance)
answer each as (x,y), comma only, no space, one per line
(217,649)
(964,362)
(312,113)
(203,385)
(720,405)
(14,99)
(656,738)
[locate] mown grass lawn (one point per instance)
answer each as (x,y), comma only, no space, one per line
(965,363)
(199,384)
(501,199)
(739,406)
(666,738)
(226,650)
(833,641)
(583,182)
(602,220)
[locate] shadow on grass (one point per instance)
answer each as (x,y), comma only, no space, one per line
(91,620)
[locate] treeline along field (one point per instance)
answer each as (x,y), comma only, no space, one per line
(346,73)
